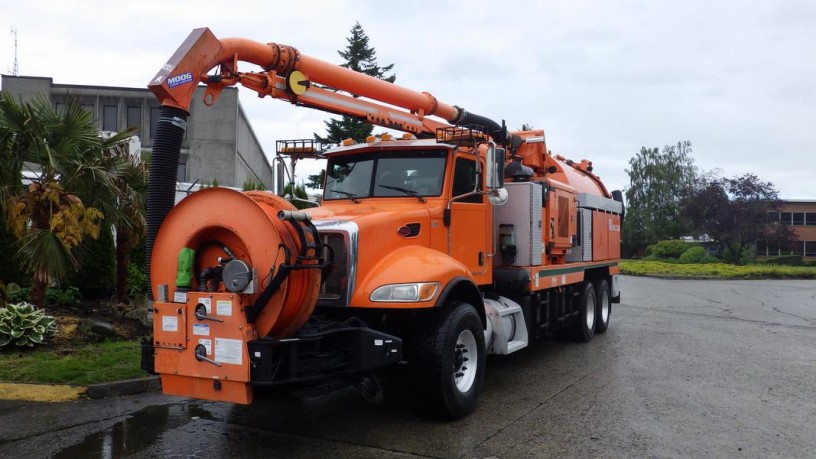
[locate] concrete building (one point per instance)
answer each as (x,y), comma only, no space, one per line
(801,217)
(219,143)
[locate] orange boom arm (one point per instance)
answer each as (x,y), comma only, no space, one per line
(287,74)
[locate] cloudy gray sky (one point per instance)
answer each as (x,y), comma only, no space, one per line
(737,78)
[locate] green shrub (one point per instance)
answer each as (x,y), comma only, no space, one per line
(53,296)
(137,281)
(25,325)
(17,294)
(669,249)
(697,254)
(62,297)
(11,272)
(96,276)
(715,270)
(785,260)
(251,184)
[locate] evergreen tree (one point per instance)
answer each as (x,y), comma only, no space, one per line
(361,57)
(315,181)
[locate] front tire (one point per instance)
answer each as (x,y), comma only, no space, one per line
(448,366)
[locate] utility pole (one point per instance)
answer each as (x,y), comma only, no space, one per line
(14,33)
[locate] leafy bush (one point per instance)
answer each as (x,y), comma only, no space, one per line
(96,276)
(16,294)
(53,296)
(11,272)
(669,249)
(785,260)
(62,297)
(697,254)
(25,325)
(137,281)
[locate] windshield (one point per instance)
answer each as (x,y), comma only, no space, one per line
(409,173)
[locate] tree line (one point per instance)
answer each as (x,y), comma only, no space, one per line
(669,197)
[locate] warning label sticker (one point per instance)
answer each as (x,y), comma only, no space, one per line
(229,351)
(170,323)
(201,329)
(223,308)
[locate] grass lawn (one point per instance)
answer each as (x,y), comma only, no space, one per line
(90,363)
(716,270)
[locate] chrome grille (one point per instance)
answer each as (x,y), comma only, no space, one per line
(341,236)
(336,284)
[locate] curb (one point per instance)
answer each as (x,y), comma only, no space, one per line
(68,392)
(125,387)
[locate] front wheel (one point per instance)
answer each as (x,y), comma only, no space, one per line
(449,363)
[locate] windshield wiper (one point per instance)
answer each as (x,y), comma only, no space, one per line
(404,190)
(351,195)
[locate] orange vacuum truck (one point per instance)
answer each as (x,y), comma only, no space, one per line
(456,240)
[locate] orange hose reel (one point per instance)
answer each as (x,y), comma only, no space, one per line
(248,224)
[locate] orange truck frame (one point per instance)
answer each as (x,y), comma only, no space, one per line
(457,240)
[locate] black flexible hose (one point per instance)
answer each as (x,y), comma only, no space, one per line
(161,190)
(495,129)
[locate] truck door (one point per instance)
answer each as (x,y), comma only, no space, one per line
(469,228)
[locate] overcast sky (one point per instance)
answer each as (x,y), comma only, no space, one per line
(737,78)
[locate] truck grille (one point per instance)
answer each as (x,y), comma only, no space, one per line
(340,236)
(336,284)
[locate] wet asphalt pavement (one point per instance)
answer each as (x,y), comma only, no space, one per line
(687,369)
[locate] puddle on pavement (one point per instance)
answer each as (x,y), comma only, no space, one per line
(135,433)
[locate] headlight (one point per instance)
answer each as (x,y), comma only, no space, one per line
(405,293)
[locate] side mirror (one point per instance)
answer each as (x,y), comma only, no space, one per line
(496,193)
(495,167)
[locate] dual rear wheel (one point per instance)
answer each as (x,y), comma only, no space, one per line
(595,307)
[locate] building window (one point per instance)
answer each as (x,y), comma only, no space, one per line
(798,219)
(761,250)
(155,112)
(810,248)
(181,173)
(110,114)
(798,248)
(89,108)
(785,218)
(810,219)
(134,119)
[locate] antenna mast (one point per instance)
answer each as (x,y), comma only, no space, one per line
(14,32)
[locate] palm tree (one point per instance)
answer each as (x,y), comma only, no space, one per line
(129,216)
(48,216)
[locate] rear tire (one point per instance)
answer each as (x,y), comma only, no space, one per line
(603,305)
(585,327)
(448,365)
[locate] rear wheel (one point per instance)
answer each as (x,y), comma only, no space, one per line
(448,365)
(603,305)
(585,327)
